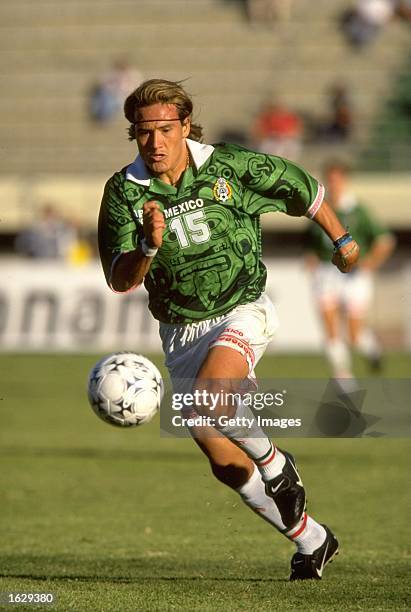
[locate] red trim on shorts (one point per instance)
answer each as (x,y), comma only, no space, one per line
(240,342)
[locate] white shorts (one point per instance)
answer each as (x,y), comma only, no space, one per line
(354,291)
(247,329)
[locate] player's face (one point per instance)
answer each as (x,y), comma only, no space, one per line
(336,185)
(160,138)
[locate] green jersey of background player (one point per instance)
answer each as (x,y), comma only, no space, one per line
(361,223)
(184,217)
(343,302)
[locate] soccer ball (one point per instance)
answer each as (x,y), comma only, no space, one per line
(125,389)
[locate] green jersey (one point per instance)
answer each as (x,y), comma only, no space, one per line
(357,220)
(210,258)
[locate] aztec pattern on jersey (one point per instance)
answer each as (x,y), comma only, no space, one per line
(210,259)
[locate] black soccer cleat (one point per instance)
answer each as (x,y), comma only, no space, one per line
(310,567)
(375,364)
(288,492)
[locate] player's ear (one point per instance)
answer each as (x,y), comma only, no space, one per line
(186,127)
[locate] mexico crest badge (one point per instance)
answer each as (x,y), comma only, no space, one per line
(222,190)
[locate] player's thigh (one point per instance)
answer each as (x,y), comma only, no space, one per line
(355,324)
(224,363)
(327,285)
(330,316)
(234,350)
(248,330)
(222,375)
(358,294)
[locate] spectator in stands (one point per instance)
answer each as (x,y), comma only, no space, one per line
(343,300)
(268,12)
(364,22)
(50,236)
(84,247)
(278,131)
(338,126)
(108,95)
(404,10)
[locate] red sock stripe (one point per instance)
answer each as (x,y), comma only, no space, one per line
(270,458)
(301,529)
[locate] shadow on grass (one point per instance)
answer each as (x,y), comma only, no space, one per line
(131,570)
(97,453)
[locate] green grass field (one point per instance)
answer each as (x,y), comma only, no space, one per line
(111,519)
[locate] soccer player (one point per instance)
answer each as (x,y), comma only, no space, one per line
(343,301)
(184,218)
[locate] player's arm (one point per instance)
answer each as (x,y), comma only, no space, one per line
(346,250)
(129,269)
(287,187)
(380,251)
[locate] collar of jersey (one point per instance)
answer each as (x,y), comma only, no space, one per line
(137,171)
(347,202)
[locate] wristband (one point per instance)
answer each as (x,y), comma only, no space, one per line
(342,241)
(148,251)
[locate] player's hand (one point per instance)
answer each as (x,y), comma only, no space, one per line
(347,256)
(153,224)
(367,265)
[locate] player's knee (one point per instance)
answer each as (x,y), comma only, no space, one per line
(214,398)
(233,476)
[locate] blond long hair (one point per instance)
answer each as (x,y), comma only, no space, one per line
(160,91)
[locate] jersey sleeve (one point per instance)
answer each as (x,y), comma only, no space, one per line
(276,184)
(118,230)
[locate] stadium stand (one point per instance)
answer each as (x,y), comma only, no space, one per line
(52,51)
(392,125)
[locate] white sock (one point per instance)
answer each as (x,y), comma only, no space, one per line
(368,344)
(254,442)
(253,494)
(307,534)
(339,358)
(271,464)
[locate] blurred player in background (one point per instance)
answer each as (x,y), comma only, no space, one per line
(343,301)
(50,236)
(184,218)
